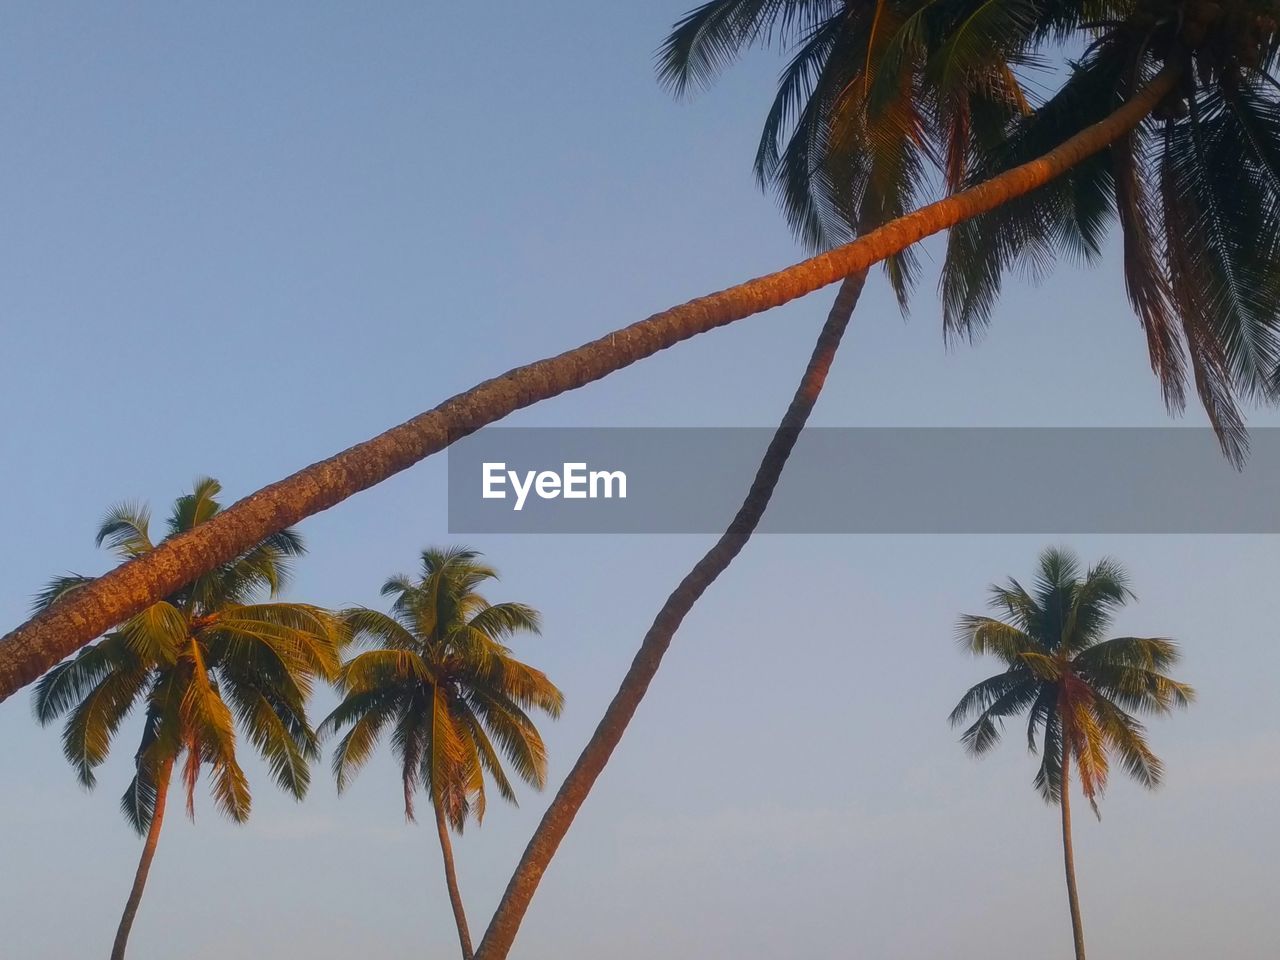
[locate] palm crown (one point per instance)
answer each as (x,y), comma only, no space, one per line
(861,114)
(1195,190)
(1079,690)
(441,672)
(879,92)
(198,662)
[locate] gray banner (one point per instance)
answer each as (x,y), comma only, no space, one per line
(864,480)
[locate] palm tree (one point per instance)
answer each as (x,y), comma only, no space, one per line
(1080,691)
(42,641)
(441,674)
(199,662)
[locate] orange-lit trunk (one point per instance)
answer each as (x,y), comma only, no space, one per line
(1068,855)
(144,862)
(451,881)
(90,610)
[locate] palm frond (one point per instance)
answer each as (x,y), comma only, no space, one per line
(367,714)
(56,589)
(67,684)
(196,507)
(86,738)
(125,530)
(1004,641)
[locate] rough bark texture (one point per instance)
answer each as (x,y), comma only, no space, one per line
(144,863)
(86,613)
(573,792)
(451,880)
(1068,856)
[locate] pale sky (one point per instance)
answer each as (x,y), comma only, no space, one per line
(237,239)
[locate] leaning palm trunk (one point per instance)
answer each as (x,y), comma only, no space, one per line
(75,620)
(144,863)
(451,881)
(1068,855)
(573,792)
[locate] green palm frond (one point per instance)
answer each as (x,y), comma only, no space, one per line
(138,804)
(1127,737)
(982,695)
(69,683)
(57,588)
(1084,738)
(488,755)
(1093,602)
(524,685)
(374,628)
(1139,689)
(1149,653)
(367,714)
(516,735)
(711,37)
(444,763)
(981,635)
(228,785)
(386,669)
(91,724)
(501,621)
(196,507)
(1048,779)
(125,530)
(1018,605)
(308,640)
(158,634)
(288,748)
(986,730)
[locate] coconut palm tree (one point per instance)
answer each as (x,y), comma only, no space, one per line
(1079,690)
(30,649)
(440,674)
(200,662)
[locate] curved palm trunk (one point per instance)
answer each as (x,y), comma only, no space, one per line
(89,611)
(1068,855)
(144,863)
(573,792)
(451,880)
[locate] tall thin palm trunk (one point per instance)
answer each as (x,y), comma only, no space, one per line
(451,880)
(144,863)
(75,620)
(1068,855)
(501,933)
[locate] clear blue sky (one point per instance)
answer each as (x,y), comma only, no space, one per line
(238,237)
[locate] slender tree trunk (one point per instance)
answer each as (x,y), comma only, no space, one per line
(87,612)
(451,879)
(1068,855)
(501,933)
(144,863)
